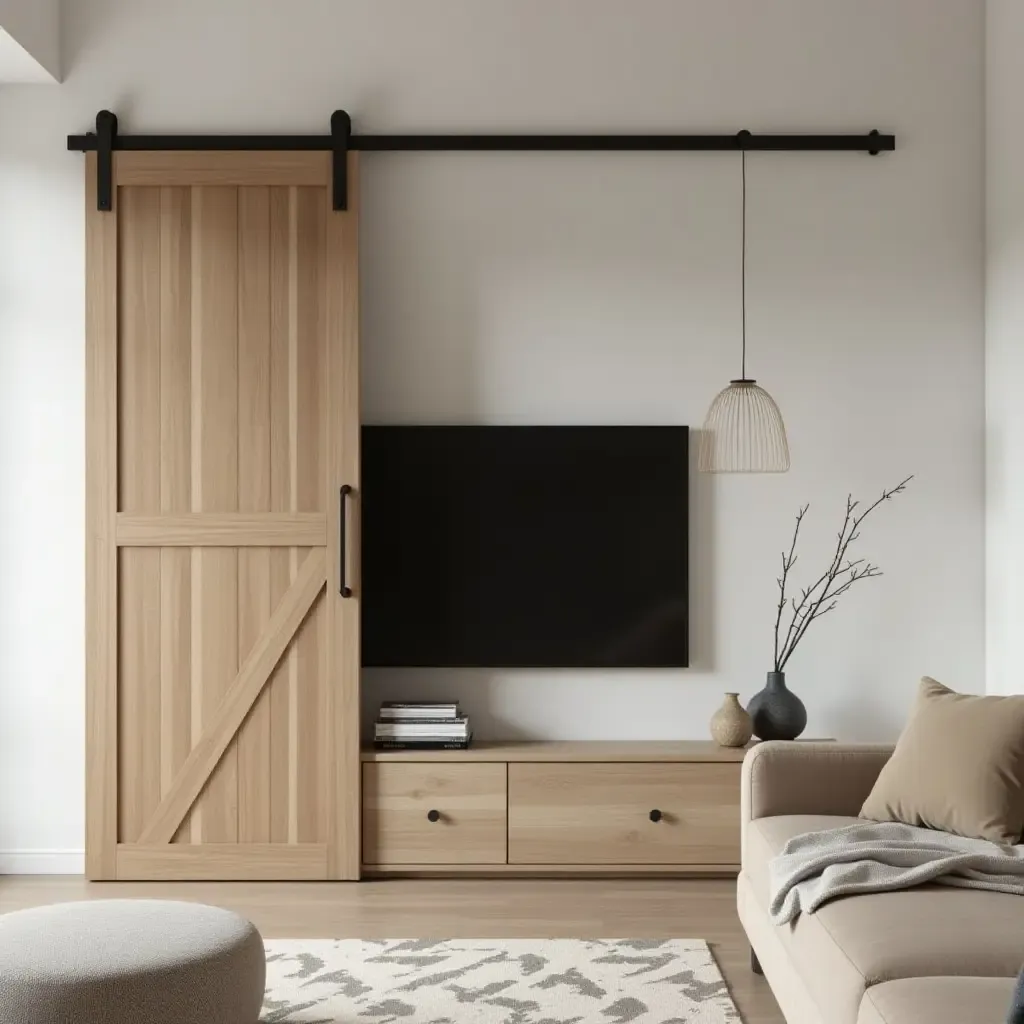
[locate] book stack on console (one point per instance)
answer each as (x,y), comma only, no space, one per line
(427,726)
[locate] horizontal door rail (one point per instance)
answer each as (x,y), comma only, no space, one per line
(222,529)
(342,140)
(220,862)
(868,142)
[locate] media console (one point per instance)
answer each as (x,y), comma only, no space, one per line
(552,809)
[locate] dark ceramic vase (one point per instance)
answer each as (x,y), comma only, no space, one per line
(777,713)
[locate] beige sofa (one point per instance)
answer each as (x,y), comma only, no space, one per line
(932,955)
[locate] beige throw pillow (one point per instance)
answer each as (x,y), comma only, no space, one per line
(958,767)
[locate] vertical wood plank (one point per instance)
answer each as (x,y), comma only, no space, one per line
(194,818)
(215,263)
(293,502)
(139,727)
(254,470)
(175,667)
(311,712)
(343,418)
(101,403)
(175,482)
(280,496)
(310,492)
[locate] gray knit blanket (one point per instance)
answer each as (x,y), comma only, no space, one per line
(880,857)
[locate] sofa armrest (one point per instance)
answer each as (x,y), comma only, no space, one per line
(808,778)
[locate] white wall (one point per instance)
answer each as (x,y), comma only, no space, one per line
(573,288)
(34,25)
(1004,348)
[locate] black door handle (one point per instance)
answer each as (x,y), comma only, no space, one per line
(655,815)
(343,588)
(433,815)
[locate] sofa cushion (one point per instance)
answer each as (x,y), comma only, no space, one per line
(763,838)
(938,1001)
(854,943)
(812,978)
(958,766)
(930,930)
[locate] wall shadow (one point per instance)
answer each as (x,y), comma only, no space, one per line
(702,589)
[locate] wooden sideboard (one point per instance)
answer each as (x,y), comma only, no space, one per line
(553,808)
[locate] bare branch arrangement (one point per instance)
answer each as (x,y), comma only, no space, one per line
(822,596)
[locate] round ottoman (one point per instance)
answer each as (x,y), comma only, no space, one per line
(129,962)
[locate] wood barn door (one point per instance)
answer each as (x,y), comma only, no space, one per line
(222,409)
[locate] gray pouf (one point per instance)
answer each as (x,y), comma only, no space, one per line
(130,962)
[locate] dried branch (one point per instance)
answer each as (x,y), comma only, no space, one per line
(841,574)
(788,561)
(807,594)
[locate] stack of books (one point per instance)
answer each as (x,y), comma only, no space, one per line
(427,726)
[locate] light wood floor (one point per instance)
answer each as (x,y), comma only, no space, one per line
(629,908)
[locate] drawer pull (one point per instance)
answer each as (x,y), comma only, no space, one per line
(655,815)
(433,815)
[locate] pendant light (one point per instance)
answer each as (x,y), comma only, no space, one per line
(743,431)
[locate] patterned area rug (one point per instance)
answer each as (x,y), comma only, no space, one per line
(494,981)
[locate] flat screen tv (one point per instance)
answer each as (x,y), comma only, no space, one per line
(546,546)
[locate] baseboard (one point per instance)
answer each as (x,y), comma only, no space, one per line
(42,862)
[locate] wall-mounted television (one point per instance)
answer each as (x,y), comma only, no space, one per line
(533,546)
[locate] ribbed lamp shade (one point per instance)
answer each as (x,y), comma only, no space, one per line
(743,432)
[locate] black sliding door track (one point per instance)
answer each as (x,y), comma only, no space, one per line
(105,141)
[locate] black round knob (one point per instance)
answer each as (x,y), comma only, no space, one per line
(655,815)
(433,815)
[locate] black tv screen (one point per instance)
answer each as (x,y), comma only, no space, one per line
(543,546)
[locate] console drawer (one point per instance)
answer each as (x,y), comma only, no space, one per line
(434,813)
(590,813)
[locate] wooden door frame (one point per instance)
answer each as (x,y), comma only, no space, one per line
(101,568)
(106,531)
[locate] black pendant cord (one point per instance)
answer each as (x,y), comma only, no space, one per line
(743,262)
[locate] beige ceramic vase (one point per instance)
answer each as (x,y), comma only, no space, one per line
(731,726)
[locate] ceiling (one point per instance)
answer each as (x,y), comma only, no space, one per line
(17,65)
(29,41)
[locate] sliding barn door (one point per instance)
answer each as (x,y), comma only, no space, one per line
(223,662)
